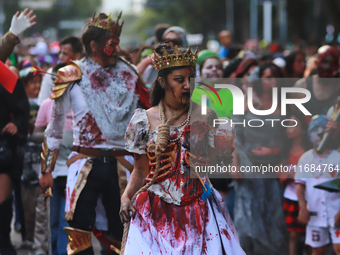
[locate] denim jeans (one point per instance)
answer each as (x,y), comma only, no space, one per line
(58,221)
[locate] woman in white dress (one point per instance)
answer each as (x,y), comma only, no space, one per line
(173,213)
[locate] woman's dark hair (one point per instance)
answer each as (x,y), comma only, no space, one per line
(290,62)
(231,68)
(126,55)
(94,34)
(275,70)
(243,68)
(158,92)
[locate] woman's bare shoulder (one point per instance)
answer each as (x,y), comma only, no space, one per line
(153,116)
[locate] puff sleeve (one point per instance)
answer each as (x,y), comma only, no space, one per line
(137,132)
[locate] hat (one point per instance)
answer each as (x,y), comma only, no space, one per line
(24,72)
(317,121)
(204,54)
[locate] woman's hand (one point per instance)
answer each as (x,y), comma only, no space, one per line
(125,208)
(137,177)
(10,128)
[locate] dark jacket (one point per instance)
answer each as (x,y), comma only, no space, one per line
(15,108)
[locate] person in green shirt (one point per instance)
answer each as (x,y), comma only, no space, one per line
(210,68)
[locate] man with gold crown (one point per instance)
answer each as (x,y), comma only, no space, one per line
(102,90)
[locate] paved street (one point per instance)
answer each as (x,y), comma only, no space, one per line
(16,240)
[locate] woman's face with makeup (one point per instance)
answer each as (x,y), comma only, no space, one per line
(177,86)
(212,69)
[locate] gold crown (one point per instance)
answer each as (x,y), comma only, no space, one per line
(108,24)
(177,58)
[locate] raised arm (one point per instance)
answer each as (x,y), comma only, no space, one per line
(19,24)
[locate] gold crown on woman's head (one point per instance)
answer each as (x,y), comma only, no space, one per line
(107,24)
(177,58)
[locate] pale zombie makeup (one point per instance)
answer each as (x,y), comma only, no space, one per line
(315,135)
(212,69)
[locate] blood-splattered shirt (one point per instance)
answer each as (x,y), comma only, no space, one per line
(102,103)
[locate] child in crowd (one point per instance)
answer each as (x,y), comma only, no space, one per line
(297,145)
(319,209)
(32,197)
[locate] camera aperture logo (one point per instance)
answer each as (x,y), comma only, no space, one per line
(239,104)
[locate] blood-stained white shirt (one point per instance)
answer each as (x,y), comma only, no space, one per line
(322,205)
(86,132)
(102,102)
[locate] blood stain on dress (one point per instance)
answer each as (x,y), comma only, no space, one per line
(225,232)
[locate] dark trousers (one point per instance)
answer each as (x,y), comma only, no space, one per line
(6,210)
(103,179)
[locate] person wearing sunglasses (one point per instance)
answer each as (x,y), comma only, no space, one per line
(175,36)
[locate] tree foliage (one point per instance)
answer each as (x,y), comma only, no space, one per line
(193,15)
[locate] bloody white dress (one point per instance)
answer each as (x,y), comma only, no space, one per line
(171,216)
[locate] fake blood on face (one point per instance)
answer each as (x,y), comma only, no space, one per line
(110,46)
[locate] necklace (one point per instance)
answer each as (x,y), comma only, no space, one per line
(183,124)
(178,127)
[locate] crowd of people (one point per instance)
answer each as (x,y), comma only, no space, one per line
(110,136)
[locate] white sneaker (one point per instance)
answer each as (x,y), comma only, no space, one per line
(38,251)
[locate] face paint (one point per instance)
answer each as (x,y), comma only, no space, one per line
(108,51)
(315,135)
(212,69)
(110,46)
(327,66)
(177,89)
